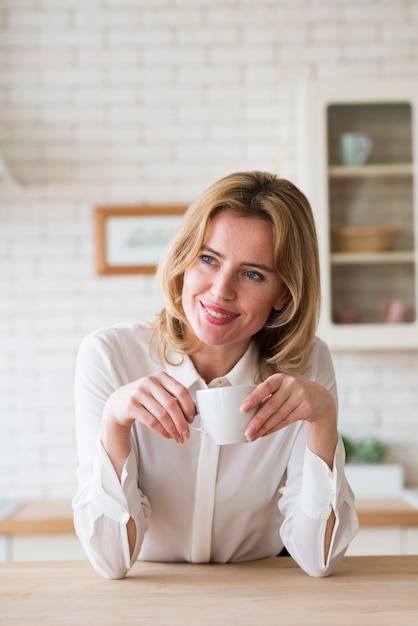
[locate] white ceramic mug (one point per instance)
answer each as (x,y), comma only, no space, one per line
(221,418)
(355,148)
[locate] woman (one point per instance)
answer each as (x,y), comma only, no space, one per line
(241,287)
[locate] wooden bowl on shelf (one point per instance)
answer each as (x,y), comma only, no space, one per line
(363,238)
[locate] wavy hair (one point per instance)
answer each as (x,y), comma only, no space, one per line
(284,342)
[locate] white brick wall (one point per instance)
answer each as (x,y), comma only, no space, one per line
(129,101)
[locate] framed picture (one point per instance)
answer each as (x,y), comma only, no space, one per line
(130,239)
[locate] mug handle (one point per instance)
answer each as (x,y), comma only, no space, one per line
(198,430)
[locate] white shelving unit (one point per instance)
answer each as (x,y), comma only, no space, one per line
(381,192)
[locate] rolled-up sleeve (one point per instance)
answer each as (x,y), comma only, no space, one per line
(102,512)
(103,505)
(307,511)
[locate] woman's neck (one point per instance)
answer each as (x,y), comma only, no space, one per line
(216,361)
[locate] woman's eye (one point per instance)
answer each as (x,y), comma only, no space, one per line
(206,258)
(254,275)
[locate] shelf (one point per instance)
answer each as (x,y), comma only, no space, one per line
(361,278)
(383,170)
(356,258)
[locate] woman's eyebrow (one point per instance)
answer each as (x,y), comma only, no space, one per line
(259,266)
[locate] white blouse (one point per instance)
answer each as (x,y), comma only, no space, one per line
(200,502)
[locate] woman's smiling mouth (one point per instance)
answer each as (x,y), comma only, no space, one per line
(217,314)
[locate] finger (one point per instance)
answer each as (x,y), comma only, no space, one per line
(150,421)
(262,392)
(163,412)
(171,404)
(270,419)
(181,394)
(139,405)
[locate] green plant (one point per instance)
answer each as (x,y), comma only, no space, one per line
(371,450)
(367,450)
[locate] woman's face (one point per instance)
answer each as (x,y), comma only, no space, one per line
(232,286)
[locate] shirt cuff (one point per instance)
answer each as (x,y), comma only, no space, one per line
(111,496)
(319,484)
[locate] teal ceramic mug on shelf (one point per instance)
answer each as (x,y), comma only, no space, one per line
(355,148)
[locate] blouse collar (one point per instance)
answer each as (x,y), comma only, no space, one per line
(244,371)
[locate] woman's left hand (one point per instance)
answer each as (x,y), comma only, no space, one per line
(285,399)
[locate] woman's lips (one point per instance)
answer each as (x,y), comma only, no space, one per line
(216,314)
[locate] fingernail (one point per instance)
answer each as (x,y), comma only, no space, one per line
(245,406)
(186,434)
(249,434)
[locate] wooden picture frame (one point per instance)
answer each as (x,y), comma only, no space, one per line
(130,239)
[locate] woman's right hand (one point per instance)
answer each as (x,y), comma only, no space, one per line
(158,401)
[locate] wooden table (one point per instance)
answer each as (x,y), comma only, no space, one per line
(364,591)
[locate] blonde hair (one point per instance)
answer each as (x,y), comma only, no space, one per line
(284,342)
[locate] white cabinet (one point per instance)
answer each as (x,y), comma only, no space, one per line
(57,547)
(384,541)
(378,541)
(366,213)
(412,540)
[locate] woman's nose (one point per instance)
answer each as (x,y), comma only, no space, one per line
(223,286)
